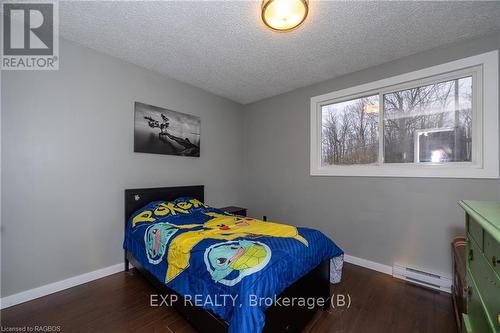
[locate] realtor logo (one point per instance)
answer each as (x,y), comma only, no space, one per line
(30,36)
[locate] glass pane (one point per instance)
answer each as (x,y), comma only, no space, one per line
(431,123)
(350,132)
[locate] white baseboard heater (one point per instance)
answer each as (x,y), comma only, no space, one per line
(426,279)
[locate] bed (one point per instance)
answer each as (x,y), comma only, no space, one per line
(237,266)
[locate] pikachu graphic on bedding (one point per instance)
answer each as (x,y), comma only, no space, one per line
(223,227)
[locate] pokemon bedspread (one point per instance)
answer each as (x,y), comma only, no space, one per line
(227,263)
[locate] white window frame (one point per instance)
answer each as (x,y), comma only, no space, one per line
(485,138)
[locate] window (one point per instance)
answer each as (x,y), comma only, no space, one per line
(437,122)
(431,123)
(350,131)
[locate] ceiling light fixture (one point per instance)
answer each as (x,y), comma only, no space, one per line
(284,15)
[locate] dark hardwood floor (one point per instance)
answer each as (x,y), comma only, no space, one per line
(120,303)
(381,303)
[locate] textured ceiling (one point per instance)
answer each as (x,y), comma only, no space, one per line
(224,48)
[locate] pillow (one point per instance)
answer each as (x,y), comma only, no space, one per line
(190,204)
(167,210)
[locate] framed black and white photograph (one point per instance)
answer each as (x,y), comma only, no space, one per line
(162,131)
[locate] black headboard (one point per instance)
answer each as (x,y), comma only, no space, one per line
(140,197)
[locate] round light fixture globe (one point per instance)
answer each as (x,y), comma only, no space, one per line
(284,15)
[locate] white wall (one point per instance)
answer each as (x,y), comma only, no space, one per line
(406,220)
(67,155)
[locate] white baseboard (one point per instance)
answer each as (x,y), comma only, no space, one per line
(47,289)
(31,294)
(368,264)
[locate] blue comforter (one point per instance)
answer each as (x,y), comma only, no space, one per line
(230,265)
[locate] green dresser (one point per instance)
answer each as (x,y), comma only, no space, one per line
(482,222)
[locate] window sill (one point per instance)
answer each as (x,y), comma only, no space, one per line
(408,171)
